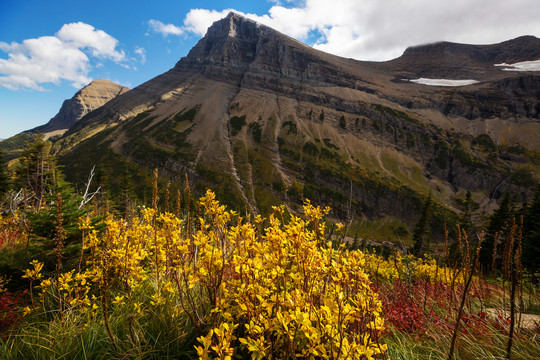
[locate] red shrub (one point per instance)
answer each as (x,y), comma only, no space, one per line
(10,305)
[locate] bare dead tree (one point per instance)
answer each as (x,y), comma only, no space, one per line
(88,196)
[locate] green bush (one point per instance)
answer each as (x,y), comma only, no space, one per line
(485,142)
(256,131)
(237,123)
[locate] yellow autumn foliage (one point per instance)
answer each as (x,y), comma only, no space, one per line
(273,291)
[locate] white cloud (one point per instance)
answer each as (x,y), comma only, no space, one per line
(199,20)
(443,82)
(50,59)
(142,53)
(84,36)
(381,30)
(164,29)
(521,66)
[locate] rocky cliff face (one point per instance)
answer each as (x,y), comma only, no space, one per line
(239,50)
(263,119)
(509,97)
(89,98)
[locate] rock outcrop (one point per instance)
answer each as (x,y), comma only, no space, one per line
(238,49)
(89,98)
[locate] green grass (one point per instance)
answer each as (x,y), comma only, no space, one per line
(159,333)
(435,345)
(408,173)
(384,229)
(398,114)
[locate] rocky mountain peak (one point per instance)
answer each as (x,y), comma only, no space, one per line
(236,49)
(465,61)
(89,98)
(231,41)
(524,48)
(101,85)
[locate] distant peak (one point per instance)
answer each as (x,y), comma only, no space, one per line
(231,40)
(229,25)
(100,83)
(89,98)
(232,14)
(526,40)
(526,37)
(523,48)
(434,46)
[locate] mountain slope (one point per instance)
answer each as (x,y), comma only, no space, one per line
(264,119)
(89,98)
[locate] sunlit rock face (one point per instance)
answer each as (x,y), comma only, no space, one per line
(89,98)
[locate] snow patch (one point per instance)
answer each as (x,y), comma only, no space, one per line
(443,82)
(521,66)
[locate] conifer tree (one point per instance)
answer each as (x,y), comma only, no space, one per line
(500,223)
(102,181)
(342,122)
(4,177)
(44,219)
(36,172)
(422,231)
(468,206)
(531,234)
(125,196)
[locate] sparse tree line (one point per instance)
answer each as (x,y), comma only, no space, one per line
(36,178)
(507,222)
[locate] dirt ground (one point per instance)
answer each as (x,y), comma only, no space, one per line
(528,321)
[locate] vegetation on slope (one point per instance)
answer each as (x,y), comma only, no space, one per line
(192,279)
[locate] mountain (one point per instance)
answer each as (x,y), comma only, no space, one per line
(264,119)
(446,59)
(89,98)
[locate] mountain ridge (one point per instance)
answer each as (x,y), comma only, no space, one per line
(263,120)
(89,98)
(465,60)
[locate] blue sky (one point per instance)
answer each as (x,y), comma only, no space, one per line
(125,20)
(49,49)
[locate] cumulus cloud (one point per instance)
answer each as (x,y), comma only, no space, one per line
(197,21)
(50,59)
(381,30)
(142,53)
(164,29)
(98,42)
